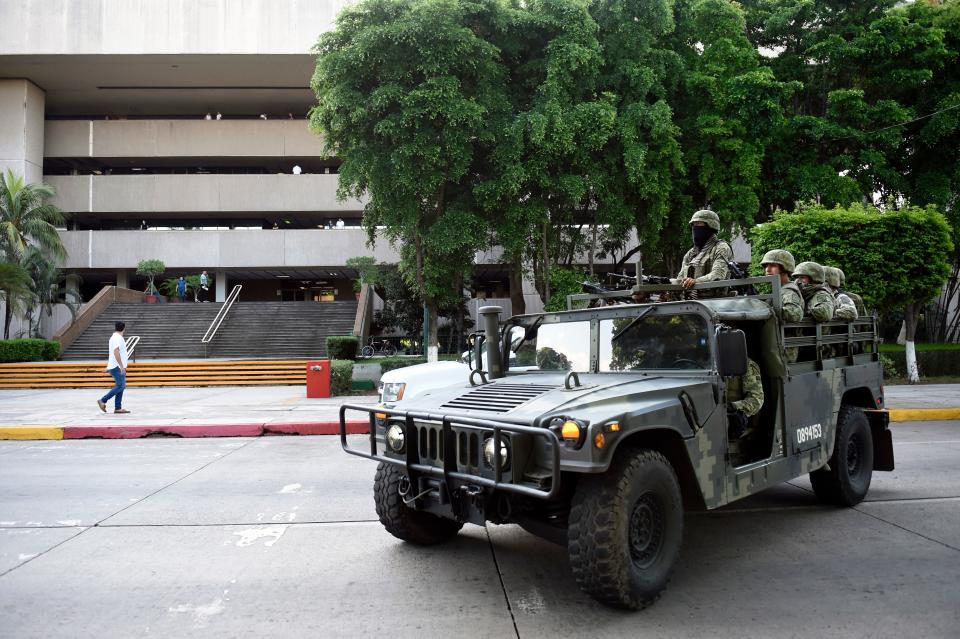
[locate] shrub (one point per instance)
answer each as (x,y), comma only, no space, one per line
(392,363)
(341,377)
(931,363)
(28,350)
(342,347)
(889,367)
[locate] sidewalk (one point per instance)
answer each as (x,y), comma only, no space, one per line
(250,411)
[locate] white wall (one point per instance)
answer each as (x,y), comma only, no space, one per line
(164,26)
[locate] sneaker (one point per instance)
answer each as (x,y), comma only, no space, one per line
(102,405)
(121,411)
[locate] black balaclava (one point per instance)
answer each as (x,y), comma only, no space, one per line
(702,235)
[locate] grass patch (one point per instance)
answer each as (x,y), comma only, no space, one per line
(921,348)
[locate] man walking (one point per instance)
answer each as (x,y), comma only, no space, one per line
(117,367)
(204,286)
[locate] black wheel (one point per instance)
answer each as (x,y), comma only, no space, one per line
(625,530)
(403,522)
(389,349)
(846,479)
(366,351)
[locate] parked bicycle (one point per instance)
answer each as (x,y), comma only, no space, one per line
(378,347)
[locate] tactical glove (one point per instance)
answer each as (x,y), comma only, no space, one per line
(736,424)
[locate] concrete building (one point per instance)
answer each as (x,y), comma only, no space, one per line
(176,130)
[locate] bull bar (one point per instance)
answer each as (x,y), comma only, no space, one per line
(449,471)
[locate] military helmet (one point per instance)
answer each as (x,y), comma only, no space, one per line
(832,276)
(781,257)
(812,270)
(708,217)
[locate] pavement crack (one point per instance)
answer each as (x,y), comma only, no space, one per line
(903,528)
(177,481)
(503,586)
(41,554)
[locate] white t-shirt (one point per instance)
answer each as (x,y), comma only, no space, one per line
(117,341)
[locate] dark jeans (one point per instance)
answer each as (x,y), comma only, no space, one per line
(120,382)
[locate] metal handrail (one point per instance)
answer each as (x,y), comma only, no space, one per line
(218,320)
(132,342)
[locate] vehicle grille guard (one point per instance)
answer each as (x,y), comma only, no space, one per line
(449,472)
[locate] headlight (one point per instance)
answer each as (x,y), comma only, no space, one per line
(488,450)
(396,438)
(392,392)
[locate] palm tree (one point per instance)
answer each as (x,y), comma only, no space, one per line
(26,219)
(48,285)
(14,288)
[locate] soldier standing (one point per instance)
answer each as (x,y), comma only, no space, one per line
(846,309)
(707,260)
(781,263)
(819,302)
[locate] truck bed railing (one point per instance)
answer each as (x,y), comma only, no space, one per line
(450,472)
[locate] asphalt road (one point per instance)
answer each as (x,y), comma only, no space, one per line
(277,537)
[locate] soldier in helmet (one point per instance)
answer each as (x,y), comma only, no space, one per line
(707,260)
(846,309)
(819,302)
(857,300)
(781,263)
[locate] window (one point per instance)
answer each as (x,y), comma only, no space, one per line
(654,342)
(564,346)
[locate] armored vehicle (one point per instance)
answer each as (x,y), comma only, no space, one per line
(612,420)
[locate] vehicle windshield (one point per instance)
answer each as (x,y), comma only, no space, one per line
(564,346)
(654,341)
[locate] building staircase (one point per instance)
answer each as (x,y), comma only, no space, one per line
(165,373)
(251,330)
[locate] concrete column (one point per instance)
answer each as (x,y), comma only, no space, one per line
(123,279)
(22,106)
(220,278)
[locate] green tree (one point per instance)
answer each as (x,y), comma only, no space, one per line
(48,288)
(26,219)
(895,259)
(15,291)
(410,96)
(152,269)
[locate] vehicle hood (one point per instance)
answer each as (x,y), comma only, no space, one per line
(424,377)
(528,398)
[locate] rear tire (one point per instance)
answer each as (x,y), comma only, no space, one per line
(851,466)
(366,351)
(403,522)
(625,530)
(389,349)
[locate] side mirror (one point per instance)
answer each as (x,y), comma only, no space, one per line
(731,353)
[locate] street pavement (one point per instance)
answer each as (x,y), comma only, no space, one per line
(271,406)
(277,537)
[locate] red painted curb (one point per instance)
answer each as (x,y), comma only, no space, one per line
(357,427)
(213,430)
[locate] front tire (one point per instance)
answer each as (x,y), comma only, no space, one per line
(403,522)
(625,530)
(846,479)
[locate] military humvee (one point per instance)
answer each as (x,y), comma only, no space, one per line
(616,423)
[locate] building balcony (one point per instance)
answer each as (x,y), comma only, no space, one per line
(181,195)
(237,249)
(180,139)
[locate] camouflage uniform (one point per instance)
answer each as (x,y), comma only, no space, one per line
(709,263)
(790,296)
(846,309)
(857,300)
(820,304)
(746,393)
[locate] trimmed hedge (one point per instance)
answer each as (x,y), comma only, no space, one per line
(28,350)
(341,377)
(393,363)
(342,347)
(930,363)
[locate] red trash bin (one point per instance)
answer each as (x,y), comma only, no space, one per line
(318,378)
